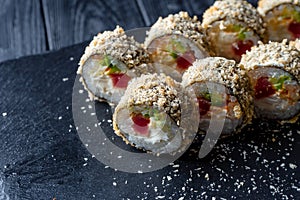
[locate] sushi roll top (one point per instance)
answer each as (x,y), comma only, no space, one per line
(275,54)
(181,24)
(118,45)
(233,11)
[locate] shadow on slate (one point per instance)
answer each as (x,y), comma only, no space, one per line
(42,156)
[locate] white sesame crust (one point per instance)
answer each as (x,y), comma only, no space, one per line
(274,54)
(264,6)
(181,24)
(234,12)
(118,45)
(226,72)
(159,91)
(295,43)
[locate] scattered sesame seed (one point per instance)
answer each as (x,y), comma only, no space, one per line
(206,176)
(292,166)
(4,114)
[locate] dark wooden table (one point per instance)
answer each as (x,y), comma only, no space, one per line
(36,26)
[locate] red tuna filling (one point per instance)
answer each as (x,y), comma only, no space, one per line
(294,28)
(204,106)
(185,61)
(263,88)
(140,124)
(241,47)
(119,80)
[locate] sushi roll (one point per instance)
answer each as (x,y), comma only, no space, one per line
(151,115)
(274,71)
(110,61)
(282,18)
(221,87)
(175,42)
(232,28)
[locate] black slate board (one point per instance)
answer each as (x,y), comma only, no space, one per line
(42,157)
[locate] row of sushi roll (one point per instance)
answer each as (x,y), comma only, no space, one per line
(240,63)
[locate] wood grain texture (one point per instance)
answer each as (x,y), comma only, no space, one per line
(35,26)
(22,29)
(152,9)
(69,22)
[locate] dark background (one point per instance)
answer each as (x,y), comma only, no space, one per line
(36,26)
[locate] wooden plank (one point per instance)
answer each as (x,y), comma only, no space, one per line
(22,29)
(73,21)
(152,9)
